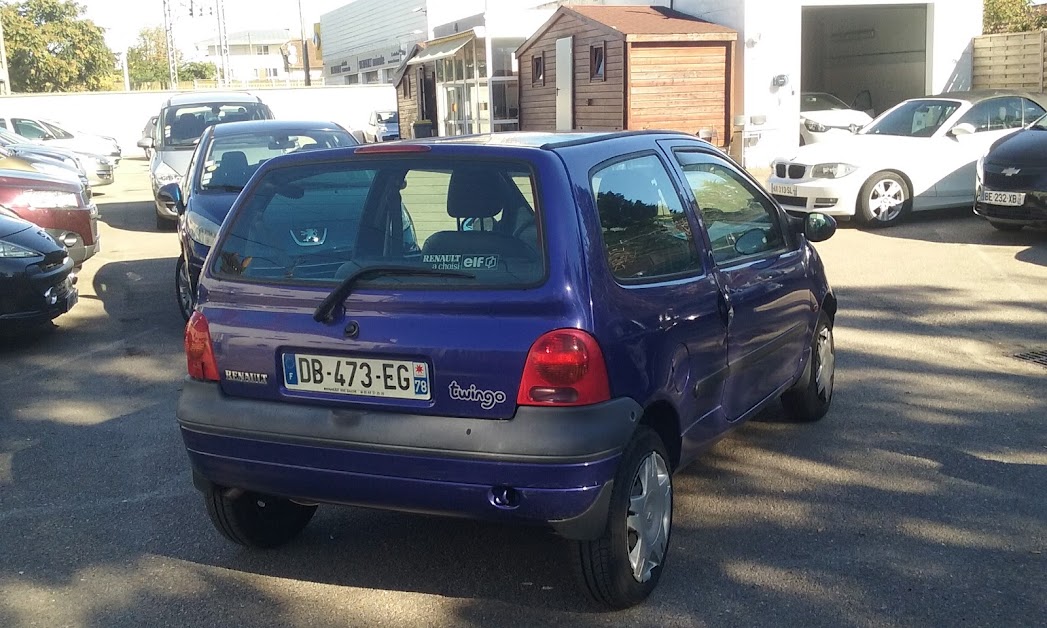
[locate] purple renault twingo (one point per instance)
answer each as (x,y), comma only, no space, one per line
(588,313)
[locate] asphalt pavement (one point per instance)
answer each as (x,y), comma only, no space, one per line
(918,501)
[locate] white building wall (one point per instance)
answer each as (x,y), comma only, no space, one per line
(770,34)
(372,26)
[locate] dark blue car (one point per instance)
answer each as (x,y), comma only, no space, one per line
(223,162)
(615,304)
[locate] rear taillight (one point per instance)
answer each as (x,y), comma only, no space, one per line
(199,353)
(564,368)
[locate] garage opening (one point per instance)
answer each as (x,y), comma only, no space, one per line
(870,56)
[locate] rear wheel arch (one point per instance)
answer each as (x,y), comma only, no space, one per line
(829,306)
(662,417)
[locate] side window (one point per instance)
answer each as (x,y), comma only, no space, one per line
(3,123)
(996,114)
(646,232)
(28,128)
(1033,112)
(740,221)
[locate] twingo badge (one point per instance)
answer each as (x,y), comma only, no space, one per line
(247,378)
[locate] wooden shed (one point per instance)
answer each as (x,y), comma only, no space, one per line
(628,67)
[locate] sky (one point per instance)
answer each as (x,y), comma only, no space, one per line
(122,22)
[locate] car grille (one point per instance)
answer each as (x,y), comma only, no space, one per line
(790,171)
(1025,179)
(792,201)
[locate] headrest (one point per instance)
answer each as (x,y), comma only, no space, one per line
(475,193)
(234,159)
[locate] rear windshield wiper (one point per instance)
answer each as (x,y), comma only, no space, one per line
(325,311)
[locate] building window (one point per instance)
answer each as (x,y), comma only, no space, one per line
(262,50)
(406,80)
(538,69)
(597,62)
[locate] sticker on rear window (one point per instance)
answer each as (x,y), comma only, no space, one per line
(461,262)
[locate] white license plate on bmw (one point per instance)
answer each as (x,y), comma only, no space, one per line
(1005,199)
(783,190)
(363,377)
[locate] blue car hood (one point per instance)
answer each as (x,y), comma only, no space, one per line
(212,205)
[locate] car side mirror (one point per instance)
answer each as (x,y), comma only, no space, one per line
(863,101)
(962,129)
(171,195)
(751,242)
(146,142)
(47,136)
(818,227)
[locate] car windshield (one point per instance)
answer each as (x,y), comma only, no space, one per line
(317,224)
(56,130)
(183,125)
(821,102)
(914,118)
(231,161)
(388,117)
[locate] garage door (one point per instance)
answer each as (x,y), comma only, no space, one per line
(681,87)
(882,49)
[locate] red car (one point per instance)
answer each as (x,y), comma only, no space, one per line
(60,206)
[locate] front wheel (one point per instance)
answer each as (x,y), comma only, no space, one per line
(884,199)
(184,288)
(256,520)
(623,566)
(809,399)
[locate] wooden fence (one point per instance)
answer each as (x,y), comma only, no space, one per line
(1010,61)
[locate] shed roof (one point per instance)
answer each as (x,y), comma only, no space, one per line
(640,24)
(633,20)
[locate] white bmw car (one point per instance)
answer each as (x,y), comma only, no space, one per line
(920,154)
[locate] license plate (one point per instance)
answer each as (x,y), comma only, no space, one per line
(783,190)
(364,377)
(1005,199)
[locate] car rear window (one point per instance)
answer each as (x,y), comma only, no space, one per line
(183,125)
(318,223)
(232,160)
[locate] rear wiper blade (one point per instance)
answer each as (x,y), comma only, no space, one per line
(325,311)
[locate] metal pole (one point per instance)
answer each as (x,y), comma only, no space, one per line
(127,77)
(223,42)
(172,62)
(5,75)
(305,45)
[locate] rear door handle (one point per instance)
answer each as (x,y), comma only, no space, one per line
(726,309)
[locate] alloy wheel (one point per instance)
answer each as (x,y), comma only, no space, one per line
(186,300)
(649,516)
(887,199)
(826,373)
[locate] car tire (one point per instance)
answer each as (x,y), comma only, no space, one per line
(185,293)
(884,200)
(256,520)
(606,565)
(1003,226)
(809,399)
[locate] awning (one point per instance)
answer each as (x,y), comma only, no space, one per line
(440,50)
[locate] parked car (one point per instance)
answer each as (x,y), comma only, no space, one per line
(918,155)
(1012,180)
(382,126)
(98,170)
(36,280)
(182,120)
(225,159)
(59,205)
(59,135)
(554,365)
(826,117)
(39,163)
(147,133)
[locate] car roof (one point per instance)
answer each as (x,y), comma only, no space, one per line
(203,98)
(545,140)
(270,126)
(980,95)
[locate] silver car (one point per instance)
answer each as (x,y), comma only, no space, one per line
(53,134)
(98,170)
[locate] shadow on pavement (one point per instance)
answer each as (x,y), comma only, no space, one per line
(134,216)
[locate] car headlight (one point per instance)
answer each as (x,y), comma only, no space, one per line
(832,171)
(165,174)
(201,229)
(9,250)
(815,127)
(43,199)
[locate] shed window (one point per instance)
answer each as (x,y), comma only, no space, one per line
(538,69)
(596,62)
(406,85)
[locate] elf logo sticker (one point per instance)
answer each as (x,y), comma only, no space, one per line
(461,262)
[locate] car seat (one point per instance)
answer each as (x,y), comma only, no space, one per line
(232,170)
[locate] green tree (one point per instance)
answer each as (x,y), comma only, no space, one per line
(1007,16)
(52,48)
(147,61)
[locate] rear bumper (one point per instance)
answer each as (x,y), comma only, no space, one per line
(557,464)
